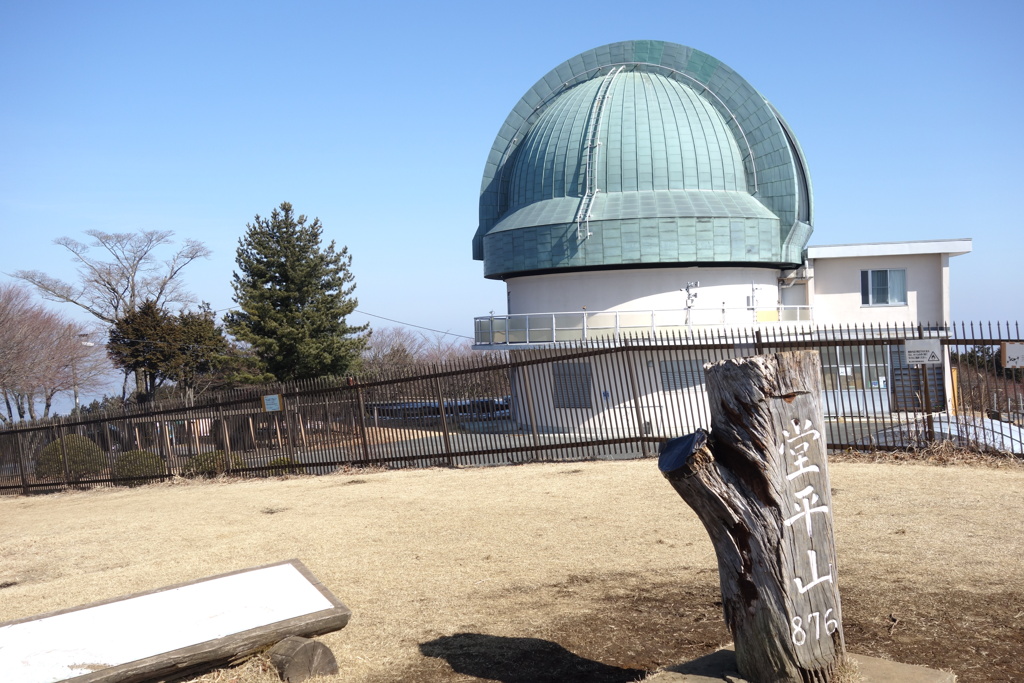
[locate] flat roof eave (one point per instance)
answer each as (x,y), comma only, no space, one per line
(953,247)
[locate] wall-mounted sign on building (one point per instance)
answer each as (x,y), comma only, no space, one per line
(924,352)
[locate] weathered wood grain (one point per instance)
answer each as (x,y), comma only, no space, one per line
(759,484)
(297,659)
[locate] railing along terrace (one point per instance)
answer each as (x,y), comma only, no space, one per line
(570,326)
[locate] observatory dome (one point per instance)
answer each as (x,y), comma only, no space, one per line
(642,153)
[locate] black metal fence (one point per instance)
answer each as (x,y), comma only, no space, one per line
(566,402)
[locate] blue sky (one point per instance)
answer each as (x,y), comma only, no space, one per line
(377,118)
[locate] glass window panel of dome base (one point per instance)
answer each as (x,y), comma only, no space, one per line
(669,321)
(482,332)
(517,326)
(569,326)
(635,321)
(498,329)
(601,325)
(540,328)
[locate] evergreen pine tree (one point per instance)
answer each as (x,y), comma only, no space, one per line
(294,296)
(158,346)
(143,341)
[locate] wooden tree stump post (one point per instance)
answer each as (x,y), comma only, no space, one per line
(297,659)
(759,483)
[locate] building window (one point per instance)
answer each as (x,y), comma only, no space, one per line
(855,367)
(883,287)
(681,374)
(571,385)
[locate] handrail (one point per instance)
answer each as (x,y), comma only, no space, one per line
(534,328)
(590,188)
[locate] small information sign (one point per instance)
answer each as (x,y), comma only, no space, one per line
(924,352)
(272,403)
(1013,354)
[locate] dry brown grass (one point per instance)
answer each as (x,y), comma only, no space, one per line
(848,672)
(935,453)
(590,571)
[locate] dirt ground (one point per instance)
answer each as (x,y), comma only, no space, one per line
(593,571)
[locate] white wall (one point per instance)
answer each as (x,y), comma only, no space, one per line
(614,408)
(641,289)
(724,294)
(837,298)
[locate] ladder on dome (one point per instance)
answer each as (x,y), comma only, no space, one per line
(590,152)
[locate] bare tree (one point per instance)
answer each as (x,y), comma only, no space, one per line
(15,339)
(445,348)
(399,351)
(391,348)
(110,289)
(41,355)
(74,363)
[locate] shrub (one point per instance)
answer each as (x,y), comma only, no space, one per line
(282,465)
(85,459)
(211,464)
(138,464)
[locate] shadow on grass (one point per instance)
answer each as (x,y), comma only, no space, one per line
(522,660)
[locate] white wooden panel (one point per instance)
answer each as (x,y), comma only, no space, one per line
(76,643)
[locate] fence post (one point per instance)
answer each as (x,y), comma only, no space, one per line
(64,457)
(252,434)
(225,435)
(191,426)
(444,419)
(288,412)
(930,433)
(289,415)
(277,431)
(23,464)
(302,428)
(530,411)
(164,427)
(362,418)
(635,389)
(760,486)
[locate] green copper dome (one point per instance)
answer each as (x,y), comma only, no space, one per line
(642,153)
